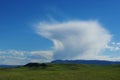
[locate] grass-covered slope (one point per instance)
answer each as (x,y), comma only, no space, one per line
(62,72)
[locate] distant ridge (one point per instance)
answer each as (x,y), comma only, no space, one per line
(98,62)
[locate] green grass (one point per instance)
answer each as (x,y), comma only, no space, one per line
(62,72)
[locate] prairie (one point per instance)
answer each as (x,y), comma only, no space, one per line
(62,72)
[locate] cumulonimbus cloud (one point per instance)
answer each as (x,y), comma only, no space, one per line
(71,39)
(75,39)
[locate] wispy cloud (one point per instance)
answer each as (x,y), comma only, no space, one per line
(75,39)
(114,46)
(23,57)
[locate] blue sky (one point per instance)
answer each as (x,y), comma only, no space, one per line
(19,19)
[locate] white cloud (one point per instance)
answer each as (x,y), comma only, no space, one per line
(114,46)
(23,57)
(41,56)
(71,39)
(75,39)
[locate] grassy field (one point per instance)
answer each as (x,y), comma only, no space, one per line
(62,72)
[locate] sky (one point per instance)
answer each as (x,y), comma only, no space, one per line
(46,30)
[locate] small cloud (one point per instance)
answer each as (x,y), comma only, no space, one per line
(114,46)
(23,57)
